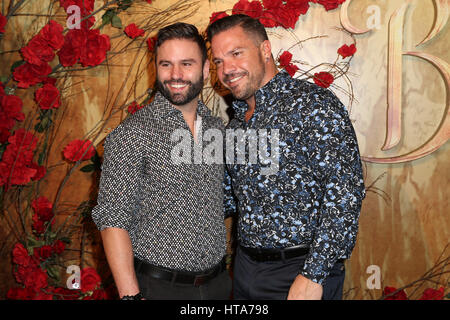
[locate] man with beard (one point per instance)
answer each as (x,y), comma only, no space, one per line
(162,222)
(296,226)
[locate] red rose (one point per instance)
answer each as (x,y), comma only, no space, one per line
(66,294)
(16,158)
(41,295)
(4,133)
(52,33)
(79,150)
(291,69)
(347,51)
(43,208)
(49,80)
(95,50)
(36,280)
(401,295)
(40,171)
(70,52)
(272,4)
(38,225)
(285,58)
(253,9)
(20,294)
(12,106)
(286,17)
(37,51)
(3,22)
(43,252)
(21,256)
(151,43)
(217,16)
(323,79)
(59,246)
(133,31)
(433,294)
(329,4)
(47,97)
(90,280)
(149,1)
(269,19)
(132,108)
(300,6)
(69,55)
(29,74)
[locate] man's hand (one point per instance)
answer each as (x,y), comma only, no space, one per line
(304,289)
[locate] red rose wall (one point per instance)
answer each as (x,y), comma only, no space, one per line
(386,60)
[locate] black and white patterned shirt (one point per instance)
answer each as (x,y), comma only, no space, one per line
(173,212)
(315,196)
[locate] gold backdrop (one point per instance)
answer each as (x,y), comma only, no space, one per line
(396,89)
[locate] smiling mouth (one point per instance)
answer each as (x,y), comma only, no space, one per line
(177,84)
(233,78)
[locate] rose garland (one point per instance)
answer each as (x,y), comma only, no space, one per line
(286,13)
(38,256)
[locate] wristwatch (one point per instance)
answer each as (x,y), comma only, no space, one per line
(137,296)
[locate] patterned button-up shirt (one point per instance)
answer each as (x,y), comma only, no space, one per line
(315,195)
(173,211)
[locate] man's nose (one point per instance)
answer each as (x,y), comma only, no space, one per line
(228,67)
(177,72)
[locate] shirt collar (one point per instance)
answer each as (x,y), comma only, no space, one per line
(162,108)
(240,106)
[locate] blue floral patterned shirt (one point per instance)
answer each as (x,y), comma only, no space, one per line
(315,195)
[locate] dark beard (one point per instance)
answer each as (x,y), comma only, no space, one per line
(179,99)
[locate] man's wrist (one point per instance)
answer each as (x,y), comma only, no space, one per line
(137,296)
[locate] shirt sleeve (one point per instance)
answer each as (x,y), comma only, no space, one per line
(335,160)
(119,181)
(229,202)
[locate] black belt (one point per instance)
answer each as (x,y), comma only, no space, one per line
(182,277)
(263,254)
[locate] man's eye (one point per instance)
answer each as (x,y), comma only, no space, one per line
(236,53)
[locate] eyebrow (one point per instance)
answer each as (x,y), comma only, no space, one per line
(228,53)
(191,60)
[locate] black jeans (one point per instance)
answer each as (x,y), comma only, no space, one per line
(218,288)
(272,280)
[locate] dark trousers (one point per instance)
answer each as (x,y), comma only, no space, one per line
(218,288)
(272,280)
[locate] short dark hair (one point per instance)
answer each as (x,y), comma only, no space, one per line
(181,30)
(250,25)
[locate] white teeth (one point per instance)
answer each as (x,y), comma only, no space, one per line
(178,86)
(235,79)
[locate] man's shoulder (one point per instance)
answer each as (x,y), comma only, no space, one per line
(136,124)
(311,96)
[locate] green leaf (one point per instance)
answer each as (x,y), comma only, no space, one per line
(33,243)
(116,22)
(107,16)
(125,4)
(3,79)
(65,240)
(52,272)
(96,161)
(17,64)
(43,125)
(88,168)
